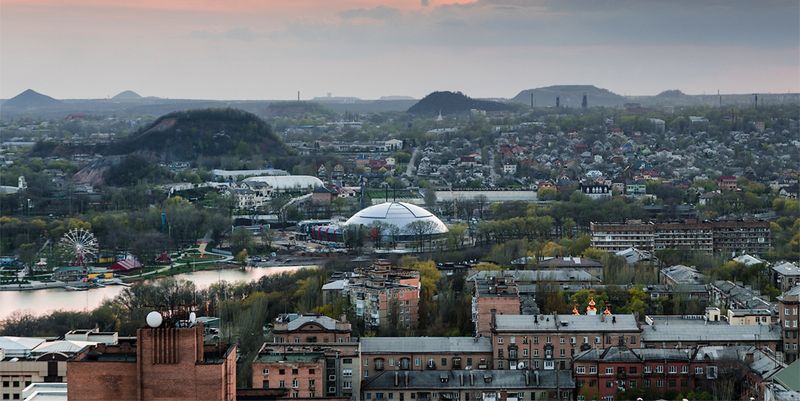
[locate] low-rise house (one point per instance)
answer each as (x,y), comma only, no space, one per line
(680,274)
(380,354)
(785,275)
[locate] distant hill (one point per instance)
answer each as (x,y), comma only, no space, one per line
(187,135)
(570,96)
(454,103)
(30,99)
(127,95)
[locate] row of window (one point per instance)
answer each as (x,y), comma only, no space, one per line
(672,369)
(562,340)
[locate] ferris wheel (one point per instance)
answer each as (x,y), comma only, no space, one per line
(80,245)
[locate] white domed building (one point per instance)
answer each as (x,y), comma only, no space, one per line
(409,219)
(388,224)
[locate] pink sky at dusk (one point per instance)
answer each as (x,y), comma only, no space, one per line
(264,49)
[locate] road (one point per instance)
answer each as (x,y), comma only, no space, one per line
(411,169)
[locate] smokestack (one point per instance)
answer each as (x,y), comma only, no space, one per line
(298,96)
(531,99)
(755,95)
(558,102)
(584,102)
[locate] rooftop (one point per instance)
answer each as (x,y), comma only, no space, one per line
(695,328)
(567,323)
(425,344)
(471,379)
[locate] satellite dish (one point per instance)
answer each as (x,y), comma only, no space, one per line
(154,319)
(193,317)
(521,365)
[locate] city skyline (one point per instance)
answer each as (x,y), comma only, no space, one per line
(490,48)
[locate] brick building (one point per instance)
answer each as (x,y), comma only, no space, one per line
(785,275)
(311,342)
(789,318)
(550,341)
(469,385)
(494,295)
(167,363)
(675,332)
(379,354)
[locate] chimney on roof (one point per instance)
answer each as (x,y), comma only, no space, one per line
(405,378)
(527,378)
(536,376)
(396,379)
(461,378)
(471,379)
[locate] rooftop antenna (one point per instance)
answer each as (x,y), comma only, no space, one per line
(584,102)
(532,105)
(298,96)
(720,98)
(558,102)
(755,96)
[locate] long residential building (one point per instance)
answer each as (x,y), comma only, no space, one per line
(707,236)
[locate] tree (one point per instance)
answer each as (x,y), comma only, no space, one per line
(241,239)
(421,230)
(429,195)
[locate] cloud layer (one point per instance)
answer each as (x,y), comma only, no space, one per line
(249,49)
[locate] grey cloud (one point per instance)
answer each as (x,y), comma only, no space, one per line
(239,34)
(378,13)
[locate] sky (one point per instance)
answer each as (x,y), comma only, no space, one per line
(270,49)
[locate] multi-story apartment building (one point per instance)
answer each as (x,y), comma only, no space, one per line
(789,318)
(382,294)
(312,342)
(550,341)
(470,385)
(380,354)
(299,374)
(676,332)
(614,237)
(708,237)
(164,363)
(494,295)
(785,275)
(629,373)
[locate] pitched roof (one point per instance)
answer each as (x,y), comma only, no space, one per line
(677,328)
(480,379)
(789,377)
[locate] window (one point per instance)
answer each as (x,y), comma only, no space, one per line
(633,339)
(525,352)
(499,340)
(347,384)
(500,365)
(659,369)
(632,384)
(311,383)
(266,372)
(282,384)
(378,363)
(646,383)
(536,353)
(609,384)
(536,340)
(673,369)
(648,369)
(295,383)
(592,370)
(561,340)
(632,370)
(294,371)
(536,364)
(685,369)
(311,371)
(659,383)
(609,371)
(444,361)
(580,370)
(597,340)
(698,371)
(378,396)
(347,361)
(347,372)
(512,340)
(548,339)
(417,361)
(281,371)
(585,340)
(469,361)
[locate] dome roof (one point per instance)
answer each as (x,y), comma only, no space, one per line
(400,214)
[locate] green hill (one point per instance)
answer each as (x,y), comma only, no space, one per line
(186,135)
(454,103)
